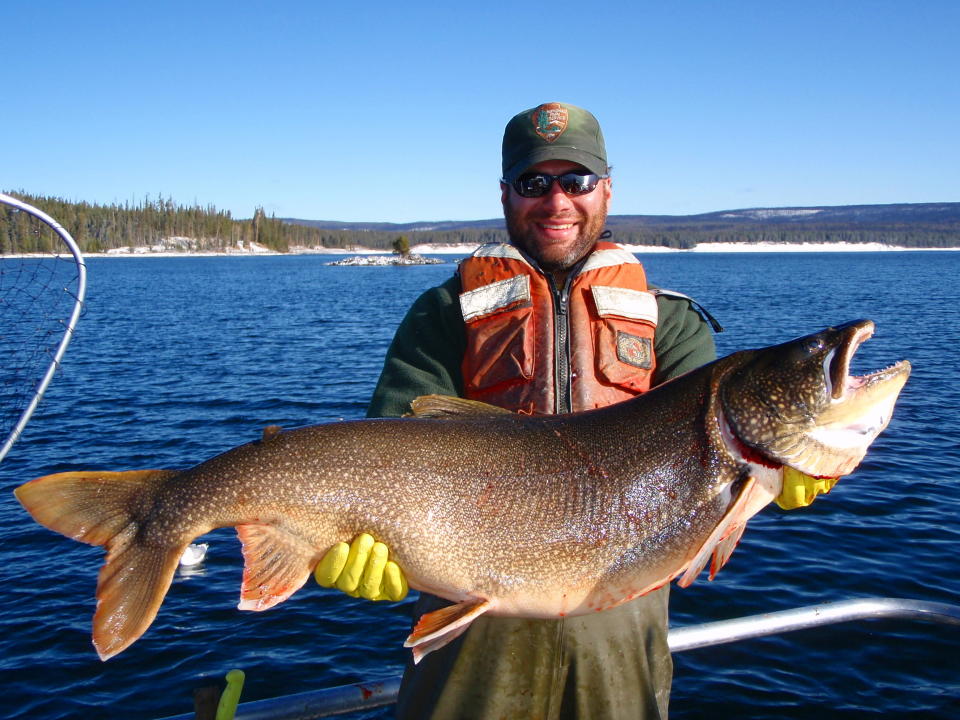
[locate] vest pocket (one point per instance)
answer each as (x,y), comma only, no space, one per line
(624,353)
(623,332)
(499,349)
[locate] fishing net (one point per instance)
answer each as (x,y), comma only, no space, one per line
(42,283)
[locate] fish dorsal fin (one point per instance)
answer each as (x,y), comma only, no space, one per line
(276,564)
(270,432)
(436,629)
(445,406)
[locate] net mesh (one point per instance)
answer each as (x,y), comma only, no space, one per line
(39,281)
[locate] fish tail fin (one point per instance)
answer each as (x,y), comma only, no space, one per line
(89,506)
(436,629)
(132,584)
(99,508)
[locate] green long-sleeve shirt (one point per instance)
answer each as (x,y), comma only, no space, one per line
(614,664)
(427,350)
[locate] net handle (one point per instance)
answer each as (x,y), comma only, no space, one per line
(71,324)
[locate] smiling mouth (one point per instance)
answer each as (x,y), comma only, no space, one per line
(549,226)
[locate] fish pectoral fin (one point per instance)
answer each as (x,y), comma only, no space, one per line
(445,406)
(720,544)
(725,548)
(436,629)
(276,563)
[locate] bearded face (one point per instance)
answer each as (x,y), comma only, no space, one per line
(556,229)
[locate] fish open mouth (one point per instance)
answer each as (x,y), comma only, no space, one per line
(836,365)
(799,405)
(859,408)
(859,403)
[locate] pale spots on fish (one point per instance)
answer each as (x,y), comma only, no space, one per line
(507,514)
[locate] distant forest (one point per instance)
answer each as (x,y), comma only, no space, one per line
(159,224)
(163,225)
(689,237)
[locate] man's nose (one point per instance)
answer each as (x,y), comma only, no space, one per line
(556,197)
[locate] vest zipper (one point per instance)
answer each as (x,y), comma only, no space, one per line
(561,355)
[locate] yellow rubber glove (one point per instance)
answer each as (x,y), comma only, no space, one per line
(227,708)
(799,489)
(362,569)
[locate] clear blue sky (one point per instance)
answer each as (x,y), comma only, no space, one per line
(377,111)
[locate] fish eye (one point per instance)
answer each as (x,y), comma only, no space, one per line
(814,345)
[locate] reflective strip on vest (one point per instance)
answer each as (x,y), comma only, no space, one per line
(624,302)
(495,297)
(499,250)
(608,258)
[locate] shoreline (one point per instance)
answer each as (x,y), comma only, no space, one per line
(464,250)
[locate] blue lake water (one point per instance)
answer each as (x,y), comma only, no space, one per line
(178,359)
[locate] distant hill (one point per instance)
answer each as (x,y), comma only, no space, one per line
(162,225)
(907,225)
(424,226)
(861,215)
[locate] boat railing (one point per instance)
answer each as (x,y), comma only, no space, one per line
(368,695)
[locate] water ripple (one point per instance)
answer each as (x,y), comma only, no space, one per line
(179,359)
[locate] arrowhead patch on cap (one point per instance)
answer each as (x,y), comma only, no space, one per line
(549,121)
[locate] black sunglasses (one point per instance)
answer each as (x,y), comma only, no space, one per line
(534,185)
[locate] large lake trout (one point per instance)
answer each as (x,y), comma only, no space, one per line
(500,513)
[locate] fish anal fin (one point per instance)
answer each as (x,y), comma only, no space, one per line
(445,406)
(436,629)
(276,563)
(423,649)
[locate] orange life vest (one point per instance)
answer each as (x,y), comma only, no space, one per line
(540,350)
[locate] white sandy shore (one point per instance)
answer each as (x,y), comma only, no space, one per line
(259,251)
(802,247)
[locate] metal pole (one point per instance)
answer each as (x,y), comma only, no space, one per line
(725,631)
(365,696)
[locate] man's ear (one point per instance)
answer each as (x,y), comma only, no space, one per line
(504,193)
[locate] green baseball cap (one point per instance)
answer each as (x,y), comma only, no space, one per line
(553,131)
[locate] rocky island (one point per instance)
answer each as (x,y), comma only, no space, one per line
(381,260)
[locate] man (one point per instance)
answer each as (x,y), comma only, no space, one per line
(555,321)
